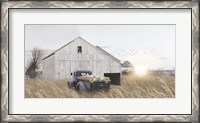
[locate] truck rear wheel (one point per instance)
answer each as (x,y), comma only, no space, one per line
(81,86)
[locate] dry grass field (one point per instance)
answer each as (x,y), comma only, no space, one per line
(131,87)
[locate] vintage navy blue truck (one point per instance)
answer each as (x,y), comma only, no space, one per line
(83,80)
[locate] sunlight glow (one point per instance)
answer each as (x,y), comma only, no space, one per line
(140,70)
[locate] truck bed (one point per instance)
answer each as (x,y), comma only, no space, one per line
(93,79)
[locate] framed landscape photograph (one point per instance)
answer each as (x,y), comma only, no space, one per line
(100,61)
(129,61)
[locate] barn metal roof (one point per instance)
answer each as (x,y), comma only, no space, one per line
(116,59)
(105,52)
(58,49)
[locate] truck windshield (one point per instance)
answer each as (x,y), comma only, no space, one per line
(83,73)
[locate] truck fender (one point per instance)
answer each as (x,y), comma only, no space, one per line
(71,83)
(81,86)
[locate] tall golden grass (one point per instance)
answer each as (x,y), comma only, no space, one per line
(131,87)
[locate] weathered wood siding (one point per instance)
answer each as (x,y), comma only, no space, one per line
(68,60)
(48,71)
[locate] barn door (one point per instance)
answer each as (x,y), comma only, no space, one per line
(102,67)
(64,69)
(81,65)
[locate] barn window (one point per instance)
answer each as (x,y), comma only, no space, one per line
(79,49)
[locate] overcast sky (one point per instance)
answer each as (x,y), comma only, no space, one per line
(150,45)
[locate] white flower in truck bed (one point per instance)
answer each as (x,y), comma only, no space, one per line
(92,78)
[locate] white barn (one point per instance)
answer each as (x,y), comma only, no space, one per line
(79,54)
